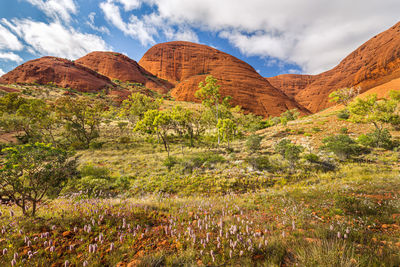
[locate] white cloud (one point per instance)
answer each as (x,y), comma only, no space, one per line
(314,34)
(93,26)
(183,34)
(134,27)
(56,9)
(8,40)
(2,72)
(130,4)
(54,39)
(11,57)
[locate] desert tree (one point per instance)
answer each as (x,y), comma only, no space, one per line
(30,172)
(210,96)
(226,129)
(81,118)
(136,105)
(376,112)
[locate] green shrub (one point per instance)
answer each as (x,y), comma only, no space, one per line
(124,140)
(289,151)
(344,130)
(170,162)
(311,157)
(377,139)
(259,162)
(253,142)
(344,114)
(96,145)
(342,146)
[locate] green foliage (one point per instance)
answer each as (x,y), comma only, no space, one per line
(253,143)
(94,181)
(170,162)
(343,114)
(381,139)
(80,117)
(311,157)
(226,129)
(260,162)
(137,105)
(209,94)
(30,172)
(11,102)
(289,151)
(344,130)
(344,95)
(289,115)
(342,146)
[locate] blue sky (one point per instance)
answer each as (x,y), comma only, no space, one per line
(275,37)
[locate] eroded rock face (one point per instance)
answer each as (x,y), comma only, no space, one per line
(185,64)
(291,84)
(118,66)
(374,63)
(61,72)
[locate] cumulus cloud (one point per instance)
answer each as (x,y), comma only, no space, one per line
(130,4)
(93,26)
(1,72)
(134,27)
(314,34)
(55,39)
(10,57)
(56,9)
(8,40)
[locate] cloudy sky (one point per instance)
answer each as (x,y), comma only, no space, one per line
(275,37)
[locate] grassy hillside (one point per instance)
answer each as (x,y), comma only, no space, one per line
(211,205)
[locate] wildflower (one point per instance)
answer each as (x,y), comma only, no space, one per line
(4,251)
(52,248)
(66,263)
(13,262)
(347,231)
(212,255)
(230,253)
(29,243)
(85,263)
(331,227)
(11,213)
(345,236)
(241,253)
(111,246)
(339,235)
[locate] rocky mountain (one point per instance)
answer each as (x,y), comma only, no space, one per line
(118,66)
(291,84)
(374,63)
(185,64)
(58,71)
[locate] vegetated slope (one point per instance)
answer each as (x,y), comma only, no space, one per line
(185,64)
(118,66)
(60,72)
(374,63)
(291,84)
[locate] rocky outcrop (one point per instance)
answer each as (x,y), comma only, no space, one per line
(185,64)
(291,84)
(374,63)
(60,72)
(120,67)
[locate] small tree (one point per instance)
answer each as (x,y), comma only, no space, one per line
(136,106)
(342,146)
(209,94)
(183,122)
(289,115)
(30,172)
(377,112)
(253,142)
(289,151)
(344,95)
(81,118)
(159,122)
(226,129)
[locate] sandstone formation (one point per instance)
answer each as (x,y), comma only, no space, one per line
(58,71)
(374,63)
(291,84)
(120,67)
(185,64)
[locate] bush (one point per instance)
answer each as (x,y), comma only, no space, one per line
(95,145)
(342,146)
(195,161)
(289,151)
(260,162)
(344,130)
(124,140)
(344,114)
(377,139)
(253,142)
(311,157)
(170,162)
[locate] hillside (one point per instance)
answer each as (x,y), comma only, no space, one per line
(374,63)
(60,72)
(186,64)
(120,67)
